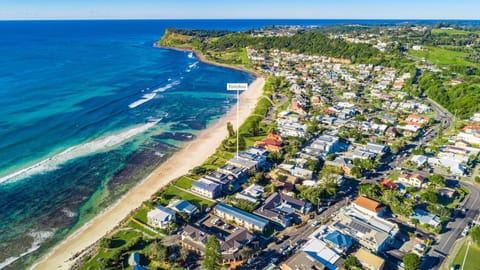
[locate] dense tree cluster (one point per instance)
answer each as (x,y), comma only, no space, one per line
(310,42)
(314,43)
(199,33)
(461,99)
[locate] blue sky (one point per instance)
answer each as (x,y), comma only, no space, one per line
(216,9)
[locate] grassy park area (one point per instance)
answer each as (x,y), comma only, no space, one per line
(442,57)
(472,261)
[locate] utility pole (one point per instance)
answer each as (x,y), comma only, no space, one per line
(237,87)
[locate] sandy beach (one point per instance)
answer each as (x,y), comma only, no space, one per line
(193,154)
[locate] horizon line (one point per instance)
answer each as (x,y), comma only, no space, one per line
(233,19)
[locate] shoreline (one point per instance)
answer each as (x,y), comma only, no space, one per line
(190,155)
(203,59)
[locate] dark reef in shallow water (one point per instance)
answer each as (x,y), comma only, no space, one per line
(178,136)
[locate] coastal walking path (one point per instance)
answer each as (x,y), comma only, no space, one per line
(179,164)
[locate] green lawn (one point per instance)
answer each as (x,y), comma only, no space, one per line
(184,182)
(454,32)
(473,258)
(141,215)
(172,191)
(442,57)
(119,240)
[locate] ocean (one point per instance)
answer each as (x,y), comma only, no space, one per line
(87,110)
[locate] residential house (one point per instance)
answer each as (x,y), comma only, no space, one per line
(248,221)
(207,188)
(253,158)
(134,259)
(345,163)
(160,217)
(324,145)
(338,241)
(183,207)
(296,171)
(446,192)
(297,106)
(455,163)
(228,182)
(376,148)
(419,160)
(413,180)
(302,261)
(469,138)
(368,206)
(369,260)
(371,232)
(413,118)
(363,154)
(391,132)
(280,207)
(273,143)
(426,218)
(239,172)
(252,193)
(320,252)
(389,184)
(194,238)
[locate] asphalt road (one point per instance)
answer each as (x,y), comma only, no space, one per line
(454,229)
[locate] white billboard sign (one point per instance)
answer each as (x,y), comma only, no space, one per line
(237,86)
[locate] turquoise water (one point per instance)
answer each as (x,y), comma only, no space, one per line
(81,106)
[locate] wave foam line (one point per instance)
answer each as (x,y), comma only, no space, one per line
(38,239)
(150,96)
(145,98)
(191,67)
(96,145)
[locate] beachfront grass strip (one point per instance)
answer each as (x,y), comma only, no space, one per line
(473,257)
(141,215)
(174,192)
(138,227)
(184,182)
(118,242)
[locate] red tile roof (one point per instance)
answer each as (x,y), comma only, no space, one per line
(368,204)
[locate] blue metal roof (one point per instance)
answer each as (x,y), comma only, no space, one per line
(247,217)
(338,239)
(183,205)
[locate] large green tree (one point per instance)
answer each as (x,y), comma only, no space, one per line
(213,254)
(231,131)
(411,261)
(475,234)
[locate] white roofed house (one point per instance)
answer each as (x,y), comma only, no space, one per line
(253,158)
(161,217)
(297,171)
(426,218)
(324,145)
(414,180)
(376,148)
(291,128)
(207,188)
(363,154)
